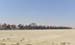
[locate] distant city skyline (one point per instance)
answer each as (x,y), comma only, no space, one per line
(44,12)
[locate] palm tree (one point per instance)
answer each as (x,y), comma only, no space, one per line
(8,26)
(20,26)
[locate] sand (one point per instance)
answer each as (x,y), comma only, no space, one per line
(37,37)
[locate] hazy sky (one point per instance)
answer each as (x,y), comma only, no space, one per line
(48,12)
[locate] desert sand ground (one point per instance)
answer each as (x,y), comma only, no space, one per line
(37,37)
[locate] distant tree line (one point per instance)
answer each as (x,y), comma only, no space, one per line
(30,26)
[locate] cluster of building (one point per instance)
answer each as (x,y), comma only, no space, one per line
(30,26)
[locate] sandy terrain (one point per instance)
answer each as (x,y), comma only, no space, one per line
(37,37)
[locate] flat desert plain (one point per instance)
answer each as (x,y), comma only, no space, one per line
(37,37)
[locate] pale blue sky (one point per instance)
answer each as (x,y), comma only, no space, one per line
(48,12)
